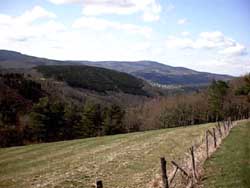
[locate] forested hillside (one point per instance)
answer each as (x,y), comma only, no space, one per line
(33,110)
(93,78)
(219,101)
(161,73)
(148,70)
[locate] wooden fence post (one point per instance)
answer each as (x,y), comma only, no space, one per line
(164,173)
(193,162)
(230,120)
(219,129)
(99,184)
(225,129)
(207,146)
(227,126)
(215,141)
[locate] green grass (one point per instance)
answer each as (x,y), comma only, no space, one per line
(230,165)
(127,160)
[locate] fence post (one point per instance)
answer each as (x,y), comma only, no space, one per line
(227,126)
(164,173)
(230,120)
(193,162)
(99,184)
(215,141)
(225,129)
(219,129)
(207,148)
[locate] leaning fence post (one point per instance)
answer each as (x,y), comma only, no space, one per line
(193,162)
(207,148)
(99,184)
(164,173)
(214,134)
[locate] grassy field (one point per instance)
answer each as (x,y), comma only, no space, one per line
(128,160)
(230,165)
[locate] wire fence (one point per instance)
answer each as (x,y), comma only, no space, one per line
(189,171)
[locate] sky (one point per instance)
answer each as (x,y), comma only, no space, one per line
(205,35)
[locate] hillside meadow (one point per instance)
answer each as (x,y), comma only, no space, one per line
(125,160)
(229,166)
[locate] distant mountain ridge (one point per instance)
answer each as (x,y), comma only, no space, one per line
(160,73)
(148,70)
(17,60)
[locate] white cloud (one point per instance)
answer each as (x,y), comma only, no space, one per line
(102,24)
(236,50)
(214,36)
(169,8)
(141,46)
(14,31)
(185,33)
(231,66)
(182,21)
(152,13)
(87,36)
(175,42)
(28,17)
(150,9)
(5,20)
(58,2)
(209,40)
(24,27)
(36,13)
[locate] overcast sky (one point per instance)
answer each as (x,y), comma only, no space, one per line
(205,35)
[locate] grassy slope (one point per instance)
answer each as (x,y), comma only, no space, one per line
(230,165)
(128,160)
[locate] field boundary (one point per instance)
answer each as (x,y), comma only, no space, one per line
(188,172)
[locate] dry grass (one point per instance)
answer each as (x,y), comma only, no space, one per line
(128,160)
(180,180)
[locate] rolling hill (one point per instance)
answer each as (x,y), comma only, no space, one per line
(126,160)
(16,60)
(94,78)
(160,73)
(148,70)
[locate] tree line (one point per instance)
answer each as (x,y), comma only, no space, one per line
(29,114)
(218,102)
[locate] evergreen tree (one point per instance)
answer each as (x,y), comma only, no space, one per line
(217,92)
(113,122)
(48,120)
(92,120)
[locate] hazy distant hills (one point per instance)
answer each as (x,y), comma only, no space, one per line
(148,70)
(161,73)
(16,60)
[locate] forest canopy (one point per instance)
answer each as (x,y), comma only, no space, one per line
(94,78)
